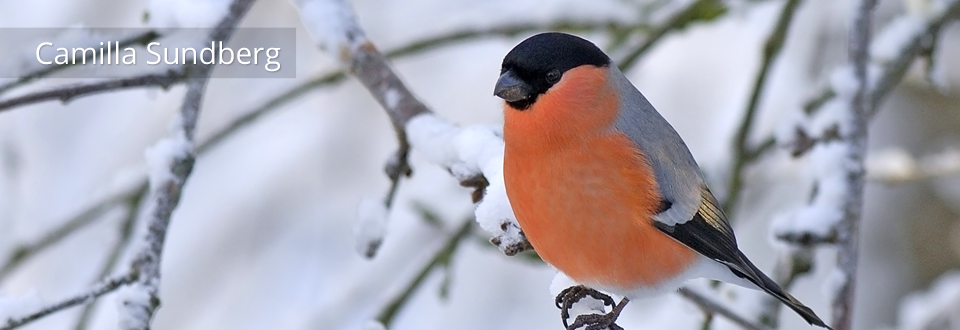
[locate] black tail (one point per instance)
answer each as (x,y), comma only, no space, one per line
(769,286)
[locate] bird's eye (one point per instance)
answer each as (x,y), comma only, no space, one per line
(553,76)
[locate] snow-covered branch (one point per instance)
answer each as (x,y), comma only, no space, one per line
(891,53)
(832,133)
(87,297)
(334,26)
(170,162)
(846,174)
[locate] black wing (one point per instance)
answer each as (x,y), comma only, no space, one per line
(709,233)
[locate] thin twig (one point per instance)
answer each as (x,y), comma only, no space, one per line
(709,305)
(23,252)
(83,298)
(142,38)
(808,239)
(440,259)
(126,233)
(516,29)
(743,153)
(701,10)
(848,232)
(138,310)
(69,92)
(361,59)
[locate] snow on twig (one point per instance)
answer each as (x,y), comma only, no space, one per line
(98,290)
(171,160)
(853,109)
(473,154)
(170,163)
(891,52)
(831,133)
(371,226)
(468,153)
(837,164)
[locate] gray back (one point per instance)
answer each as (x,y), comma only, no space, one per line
(679,178)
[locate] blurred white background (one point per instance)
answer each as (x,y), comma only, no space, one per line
(263,236)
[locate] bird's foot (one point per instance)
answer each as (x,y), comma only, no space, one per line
(570,296)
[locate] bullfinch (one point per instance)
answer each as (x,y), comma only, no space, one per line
(603,187)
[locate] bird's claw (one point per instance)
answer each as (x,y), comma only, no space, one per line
(570,296)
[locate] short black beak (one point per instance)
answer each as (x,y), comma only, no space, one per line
(511,88)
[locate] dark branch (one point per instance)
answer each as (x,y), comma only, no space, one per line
(710,306)
(167,192)
(66,93)
(139,39)
(743,153)
(699,11)
(134,204)
(441,258)
(89,215)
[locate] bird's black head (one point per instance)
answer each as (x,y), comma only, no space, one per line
(537,63)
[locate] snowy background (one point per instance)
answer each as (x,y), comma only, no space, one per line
(264,237)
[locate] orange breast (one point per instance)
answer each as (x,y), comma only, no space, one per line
(583,195)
